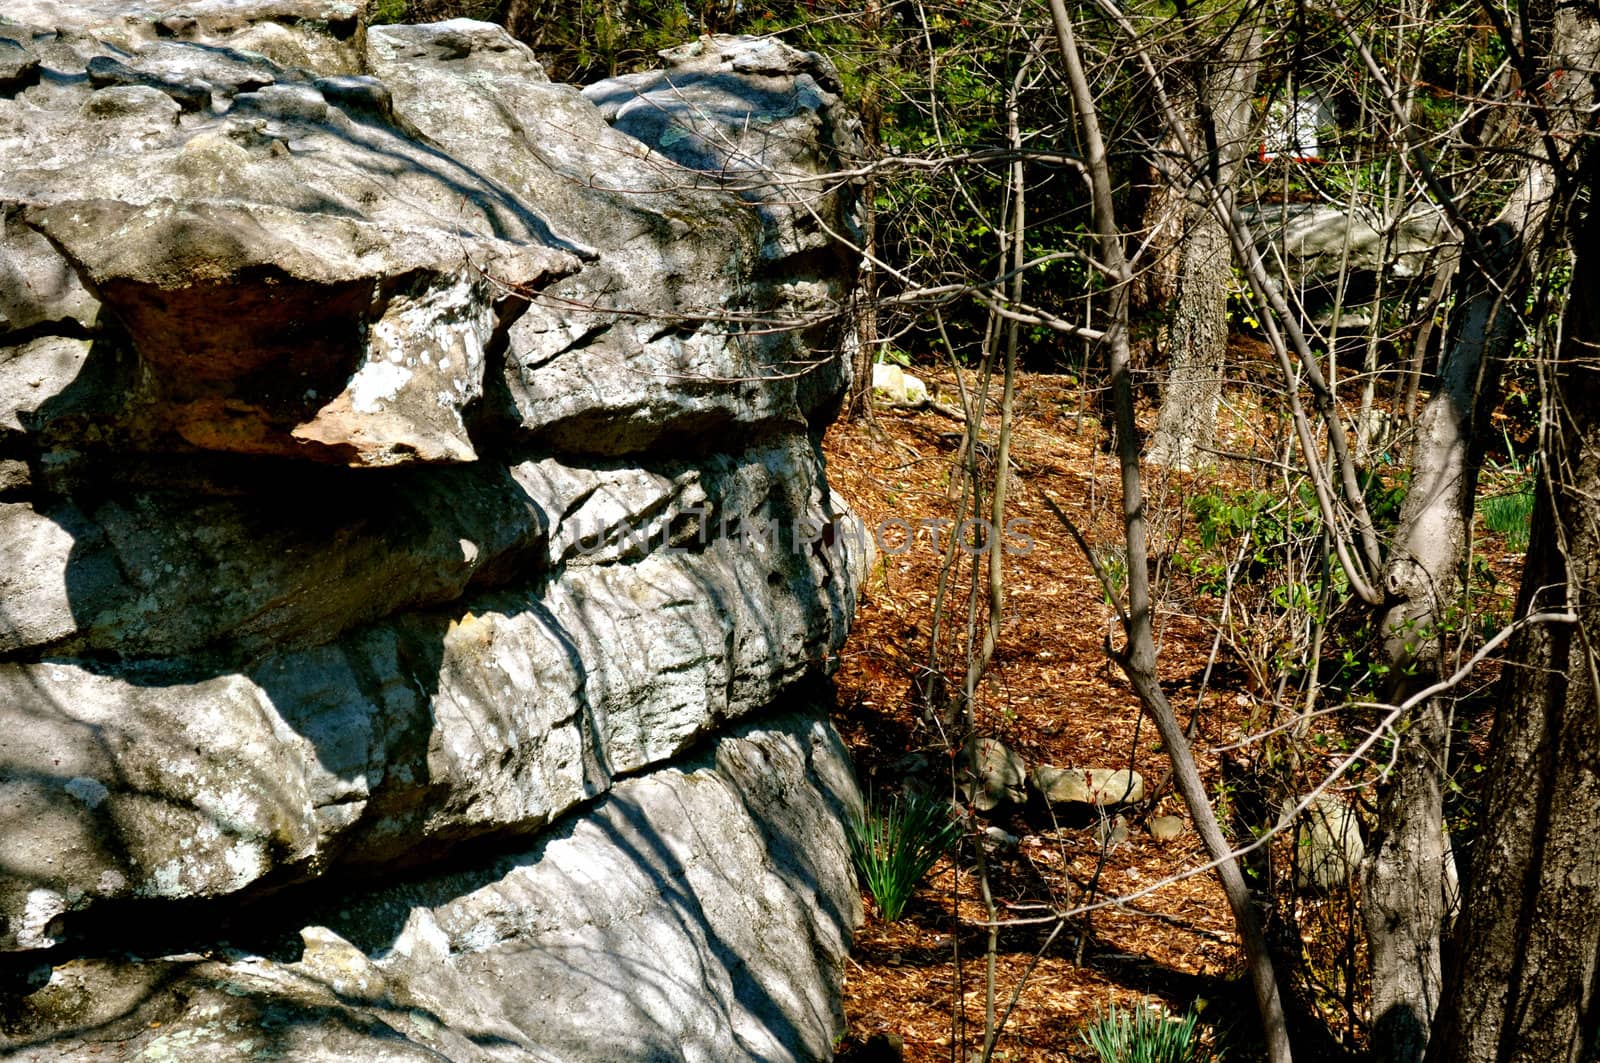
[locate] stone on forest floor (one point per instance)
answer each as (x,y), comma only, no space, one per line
(1089,786)
(1165,828)
(997,775)
(1001,837)
(1112,832)
(895,386)
(1327,843)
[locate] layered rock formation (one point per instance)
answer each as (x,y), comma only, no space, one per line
(419,578)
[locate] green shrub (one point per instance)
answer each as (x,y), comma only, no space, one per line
(895,847)
(1145,1034)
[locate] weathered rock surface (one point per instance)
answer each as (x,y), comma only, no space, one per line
(1311,244)
(393,456)
(698,913)
(1316,240)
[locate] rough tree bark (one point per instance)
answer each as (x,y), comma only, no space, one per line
(1197,335)
(1522,987)
(1406,886)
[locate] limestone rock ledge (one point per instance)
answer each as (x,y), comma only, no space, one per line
(406,461)
(697,913)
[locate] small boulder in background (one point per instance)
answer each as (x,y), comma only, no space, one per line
(895,386)
(1327,844)
(1165,828)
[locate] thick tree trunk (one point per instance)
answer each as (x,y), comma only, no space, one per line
(1161,216)
(1522,986)
(1197,338)
(1405,902)
(1197,335)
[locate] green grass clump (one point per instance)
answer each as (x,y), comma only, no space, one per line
(1510,515)
(1146,1034)
(895,846)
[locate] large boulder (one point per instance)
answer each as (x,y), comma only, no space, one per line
(1323,252)
(714,300)
(399,463)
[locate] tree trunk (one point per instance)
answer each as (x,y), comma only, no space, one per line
(1197,336)
(1522,986)
(858,406)
(1405,903)
(1139,659)
(1161,217)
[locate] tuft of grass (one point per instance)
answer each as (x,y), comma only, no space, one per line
(1510,515)
(1145,1034)
(894,847)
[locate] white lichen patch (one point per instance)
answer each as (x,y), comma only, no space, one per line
(164,881)
(247,861)
(375,384)
(236,811)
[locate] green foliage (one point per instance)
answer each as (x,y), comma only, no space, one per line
(894,848)
(392,11)
(1266,550)
(1241,305)
(1114,563)
(1276,525)
(1384,501)
(1145,1034)
(387,12)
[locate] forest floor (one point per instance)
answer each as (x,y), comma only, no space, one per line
(1051,696)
